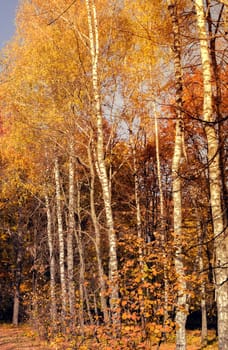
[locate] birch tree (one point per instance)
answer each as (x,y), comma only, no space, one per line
(70,233)
(181,309)
(162,218)
(96,226)
(51,262)
(219,229)
(133,145)
(61,239)
(17,280)
(101,166)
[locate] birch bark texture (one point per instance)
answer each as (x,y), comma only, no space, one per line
(96,226)
(61,240)
(219,229)
(138,216)
(181,307)
(137,196)
(17,280)
(70,234)
(162,218)
(102,170)
(51,262)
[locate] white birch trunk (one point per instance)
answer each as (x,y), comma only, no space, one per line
(70,233)
(98,241)
(81,278)
(220,231)
(138,218)
(201,276)
(61,240)
(82,286)
(17,282)
(181,308)
(213,37)
(34,283)
(52,263)
(162,220)
(102,173)
(203,292)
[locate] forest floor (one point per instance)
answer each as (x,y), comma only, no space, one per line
(19,338)
(23,338)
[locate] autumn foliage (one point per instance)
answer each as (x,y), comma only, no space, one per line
(87,242)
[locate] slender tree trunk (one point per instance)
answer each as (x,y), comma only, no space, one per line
(17,281)
(203,311)
(137,199)
(220,231)
(102,171)
(203,303)
(202,277)
(16,302)
(81,280)
(34,306)
(70,233)
(82,285)
(101,274)
(181,308)
(138,220)
(162,221)
(61,241)
(52,263)
(217,100)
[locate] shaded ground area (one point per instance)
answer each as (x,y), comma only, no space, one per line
(19,338)
(23,338)
(193,342)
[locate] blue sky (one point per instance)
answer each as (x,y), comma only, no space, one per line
(7,16)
